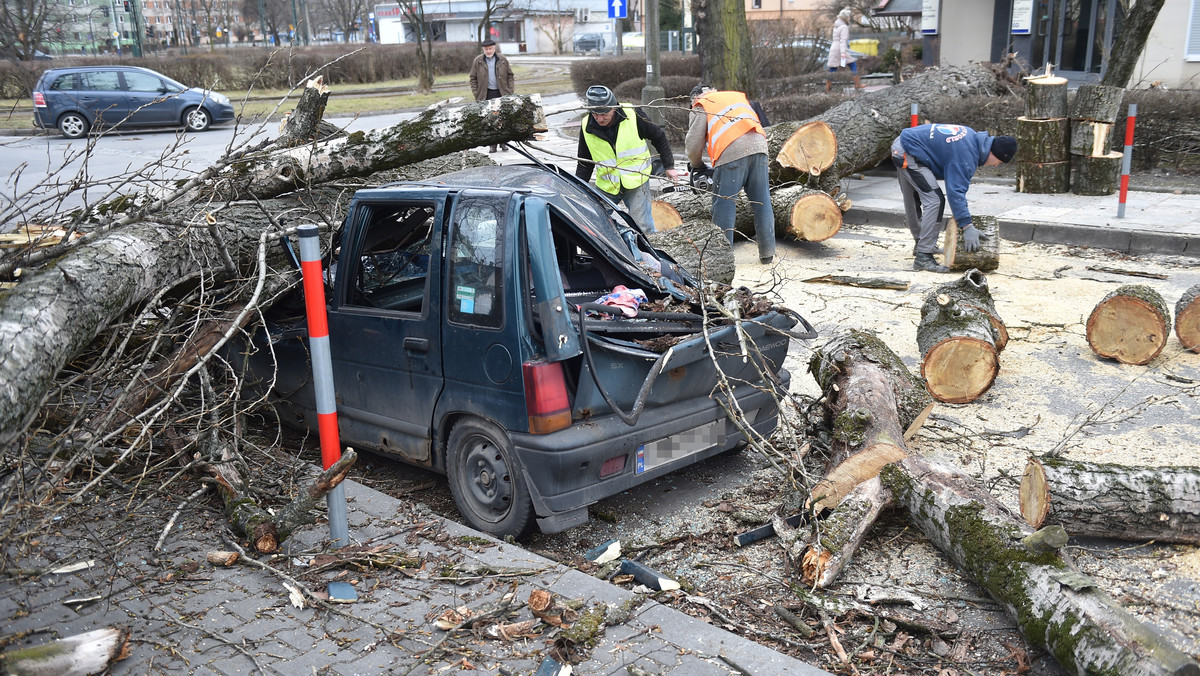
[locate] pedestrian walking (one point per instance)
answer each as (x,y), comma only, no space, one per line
(929,153)
(491,76)
(724,124)
(839,49)
(613,141)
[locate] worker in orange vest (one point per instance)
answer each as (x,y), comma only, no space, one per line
(724,125)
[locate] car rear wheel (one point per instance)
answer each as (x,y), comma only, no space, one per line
(196,119)
(486,480)
(73,125)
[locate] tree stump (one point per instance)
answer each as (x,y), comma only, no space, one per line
(958,341)
(1043,177)
(1113,501)
(1091,138)
(699,247)
(1097,174)
(985,258)
(1097,103)
(810,149)
(1045,96)
(1042,141)
(1187,319)
(1129,325)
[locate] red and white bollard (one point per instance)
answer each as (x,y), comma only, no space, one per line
(322,366)
(1127,160)
(913,119)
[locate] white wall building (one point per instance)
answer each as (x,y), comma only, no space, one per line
(531,29)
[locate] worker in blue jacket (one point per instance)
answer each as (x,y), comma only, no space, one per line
(925,154)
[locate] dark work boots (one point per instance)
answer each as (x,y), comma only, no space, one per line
(936,250)
(926,262)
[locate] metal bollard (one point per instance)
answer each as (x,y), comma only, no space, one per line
(1127,160)
(912,115)
(322,365)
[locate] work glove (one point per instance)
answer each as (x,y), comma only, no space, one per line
(971,237)
(843,62)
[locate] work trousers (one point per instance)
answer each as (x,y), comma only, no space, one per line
(924,201)
(749,173)
(637,202)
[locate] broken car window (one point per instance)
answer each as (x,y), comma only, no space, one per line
(395,258)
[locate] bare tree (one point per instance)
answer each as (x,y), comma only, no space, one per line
(344,14)
(424,32)
(26,25)
(493,10)
(555,23)
(274,14)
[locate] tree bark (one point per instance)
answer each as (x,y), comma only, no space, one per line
(726,55)
(1047,177)
(1097,174)
(1187,319)
(805,214)
(866,125)
(1090,138)
(1131,42)
(305,123)
(440,131)
(841,533)
(985,258)
(91,652)
(1045,97)
(1055,608)
(699,247)
(1041,141)
(1113,501)
(1129,325)
(958,342)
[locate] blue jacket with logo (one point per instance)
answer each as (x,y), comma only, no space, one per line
(953,153)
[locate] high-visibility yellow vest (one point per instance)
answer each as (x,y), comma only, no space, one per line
(625,166)
(729,116)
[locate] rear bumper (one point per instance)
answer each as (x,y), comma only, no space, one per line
(562,469)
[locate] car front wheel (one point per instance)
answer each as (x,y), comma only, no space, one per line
(73,125)
(486,480)
(196,119)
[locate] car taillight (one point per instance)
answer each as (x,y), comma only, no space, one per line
(546,397)
(39,100)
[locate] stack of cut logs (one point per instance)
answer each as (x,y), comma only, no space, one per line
(1043,164)
(1131,324)
(1093,116)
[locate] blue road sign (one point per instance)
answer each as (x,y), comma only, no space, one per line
(616,9)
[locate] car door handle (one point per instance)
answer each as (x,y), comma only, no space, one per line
(416,344)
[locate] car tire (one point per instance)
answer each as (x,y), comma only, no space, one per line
(73,125)
(486,479)
(196,119)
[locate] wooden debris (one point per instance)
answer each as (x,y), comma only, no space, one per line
(986,258)
(860,282)
(810,149)
(547,608)
(34,235)
(1129,325)
(91,652)
(1121,271)
(223,559)
(1187,319)
(960,338)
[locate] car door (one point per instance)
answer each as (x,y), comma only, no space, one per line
(101,93)
(150,101)
(384,333)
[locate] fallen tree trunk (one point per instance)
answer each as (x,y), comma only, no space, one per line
(805,214)
(958,341)
(1113,501)
(438,131)
(91,652)
(699,247)
(1129,325)
(810,149)
(866,125)
(1187,319)
(1055,608)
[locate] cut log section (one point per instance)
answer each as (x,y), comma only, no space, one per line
(985,258)
(1097,103)
(1055,608)
(1097,174)
(972,291)
(664,215)
(840,534)
(1187,319)
(1045,96)
(958,343)
(1042,141)
(811,149)
(1113,501)
(699,247)
(92,652)
(1043,177)
(802,213)
(1129,325)
(1091,138)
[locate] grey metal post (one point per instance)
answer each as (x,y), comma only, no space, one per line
(653,91)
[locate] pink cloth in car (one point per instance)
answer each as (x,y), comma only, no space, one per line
(626,299)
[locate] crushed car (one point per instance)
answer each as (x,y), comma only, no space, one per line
(509,327)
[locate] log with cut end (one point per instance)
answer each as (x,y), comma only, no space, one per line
(1187,319)
(959,345)
(91,652)
(664,215)
(1113,501)
(1043,141)
(972,290)
(808,215)
(699,247)
(985,258)
(1043,177)
(1129,325)
(1045,96)
(1097,103)
(1097,174)
(810,149)
(1055,608)
(1089,137)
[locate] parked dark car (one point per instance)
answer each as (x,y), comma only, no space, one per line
(590,42)
(468,335)
(74,100)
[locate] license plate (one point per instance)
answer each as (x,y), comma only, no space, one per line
(680,445)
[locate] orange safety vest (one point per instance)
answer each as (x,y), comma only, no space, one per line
(729,116)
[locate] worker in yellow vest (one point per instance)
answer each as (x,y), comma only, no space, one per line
(725,125)
(612,141)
